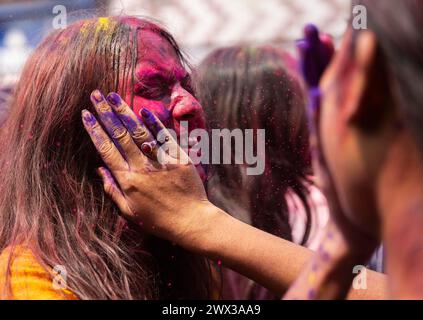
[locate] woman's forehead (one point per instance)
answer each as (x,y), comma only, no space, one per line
(149,35)
(150,43)
(156,54)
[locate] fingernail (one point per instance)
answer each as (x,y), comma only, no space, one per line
(97,96)
(145,113)
(114,99)
(88,117)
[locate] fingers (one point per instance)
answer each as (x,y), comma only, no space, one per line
(105,147)
(138,131)
(311,34)
(316,51)
(155,126)
(302,46)
(308,49)
(169,151)
(127,116)
(115,128)
(112,190)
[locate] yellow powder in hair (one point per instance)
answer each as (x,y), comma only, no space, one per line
(103,23)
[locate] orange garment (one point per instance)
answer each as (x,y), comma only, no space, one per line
(29,280)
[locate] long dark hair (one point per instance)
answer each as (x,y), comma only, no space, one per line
(251,88)
(51,199)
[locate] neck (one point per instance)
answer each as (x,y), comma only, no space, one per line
(400,201)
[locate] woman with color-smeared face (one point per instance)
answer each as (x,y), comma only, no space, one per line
(169,200)
(53,208)
(163,85)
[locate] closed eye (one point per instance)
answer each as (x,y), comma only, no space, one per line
(152,92)
(186,83)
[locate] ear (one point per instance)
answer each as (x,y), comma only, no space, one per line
(366,92)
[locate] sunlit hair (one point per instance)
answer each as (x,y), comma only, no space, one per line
(249,87)
(52,200)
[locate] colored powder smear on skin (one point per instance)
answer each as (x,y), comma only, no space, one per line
(312,278)
(311,294)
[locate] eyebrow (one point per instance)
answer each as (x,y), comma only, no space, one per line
(160,74)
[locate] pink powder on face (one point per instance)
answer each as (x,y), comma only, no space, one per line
(162,86)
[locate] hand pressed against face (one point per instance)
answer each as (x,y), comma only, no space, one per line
(162,85)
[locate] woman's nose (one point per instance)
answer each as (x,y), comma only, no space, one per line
(186,108)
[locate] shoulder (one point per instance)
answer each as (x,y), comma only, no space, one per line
(22,277)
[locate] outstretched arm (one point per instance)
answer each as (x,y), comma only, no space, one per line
(164,194)
(277,264)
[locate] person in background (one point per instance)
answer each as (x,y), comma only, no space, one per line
(255,87)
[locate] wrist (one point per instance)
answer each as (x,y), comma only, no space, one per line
(198,232)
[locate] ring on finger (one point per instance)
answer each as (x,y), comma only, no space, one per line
(148,147)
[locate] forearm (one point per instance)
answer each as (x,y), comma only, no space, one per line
(271,261)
